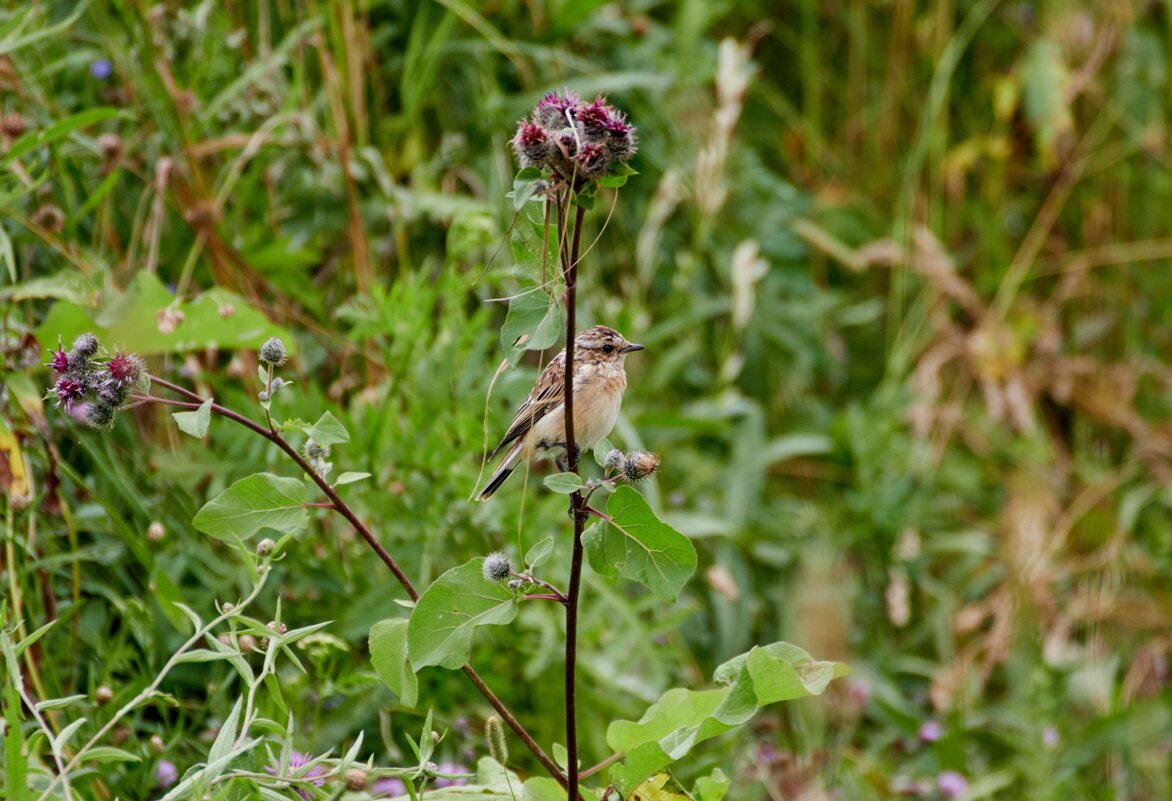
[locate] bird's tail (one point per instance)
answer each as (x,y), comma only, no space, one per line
(506,468)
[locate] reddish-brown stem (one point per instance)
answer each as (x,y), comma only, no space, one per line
(603,765)
(343,509)
(577,503)
(543,596)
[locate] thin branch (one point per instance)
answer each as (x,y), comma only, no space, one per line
(603,765)
(577,504)
(346,512)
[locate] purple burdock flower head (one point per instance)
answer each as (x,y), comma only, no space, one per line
(68,390)
(587,141)
(101,69)
(951,784)
(298,760)
(450,767)
(551,109)
(931,731)
(60,360)
(124,369)
(591,161)
(389,787)
(166,774)
(533,145)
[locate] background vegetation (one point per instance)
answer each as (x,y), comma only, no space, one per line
(903,274)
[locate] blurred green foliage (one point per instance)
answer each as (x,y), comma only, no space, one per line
(902,270)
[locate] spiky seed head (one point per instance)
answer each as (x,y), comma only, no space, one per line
(100,416)
(86,345)
(614,459)
(265,547)
(313,451)
(551,109)
(640,465)
(494,733)
(273,352)
(497,567)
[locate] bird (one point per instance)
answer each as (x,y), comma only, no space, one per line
(538,430)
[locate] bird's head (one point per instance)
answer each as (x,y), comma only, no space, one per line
(604,344)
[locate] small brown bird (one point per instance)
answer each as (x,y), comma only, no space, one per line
(538,430)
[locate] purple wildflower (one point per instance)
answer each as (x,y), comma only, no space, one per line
(298,760)
(1050,737)
(591,160)
(60,360)
(551,109)
(125,368)
(450,767)
(69,391)
(595,116)
(931,731)
(166,774)
(532,145)
(951,784)
(389,787)
(101,69)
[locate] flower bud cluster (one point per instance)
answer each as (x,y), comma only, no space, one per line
(572,138)
(633,466)
(104,387)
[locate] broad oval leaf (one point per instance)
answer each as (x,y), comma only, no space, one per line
(195,423)
(638,545)
(328,430)
(564,483)
(442,622)
(539,554)
(681,718)
(261,500)
(388,654)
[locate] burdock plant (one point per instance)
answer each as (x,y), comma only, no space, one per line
(569,151)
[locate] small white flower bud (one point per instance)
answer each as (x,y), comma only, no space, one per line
(497,567)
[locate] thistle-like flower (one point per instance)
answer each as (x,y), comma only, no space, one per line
(84,347)
(640,465)
(497,568)
(587,141)
(273,352)
(124,369)
(68,390)
(60,360)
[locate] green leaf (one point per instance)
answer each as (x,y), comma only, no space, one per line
(637,545)
(535,322)
(682,718)
(195,423)
(350,478)
(58,130)
(388,654)
(524,185)
(259,501)
(216,319)
(106,753)
(564,483)
(68,284)
(601,449)
(441,625)
(660,787)
(539,554)
(712,788)
(328,430)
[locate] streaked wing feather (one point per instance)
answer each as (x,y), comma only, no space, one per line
(547,394)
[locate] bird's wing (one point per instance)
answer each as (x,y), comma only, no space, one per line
(547,393)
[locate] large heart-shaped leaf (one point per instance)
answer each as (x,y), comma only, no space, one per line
(638,545)
(442,622)
(682,718)
(261,500)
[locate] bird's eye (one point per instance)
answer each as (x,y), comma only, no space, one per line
(608,348)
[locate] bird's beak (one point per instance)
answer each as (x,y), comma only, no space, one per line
(631,346)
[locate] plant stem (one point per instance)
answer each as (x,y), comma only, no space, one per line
(577,510)
(343,509)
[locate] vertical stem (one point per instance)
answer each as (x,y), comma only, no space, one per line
(577,510)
